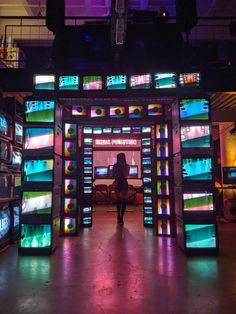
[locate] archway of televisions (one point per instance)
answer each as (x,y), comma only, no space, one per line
(62,136)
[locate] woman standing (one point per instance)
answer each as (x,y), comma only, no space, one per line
(120,174)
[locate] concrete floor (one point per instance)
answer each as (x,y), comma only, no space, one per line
(110,269)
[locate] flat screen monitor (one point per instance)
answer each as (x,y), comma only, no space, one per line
(92,82)
(116,82)
(194,109)
(5,222)
(135,111)
(39,111)
(189,79)
(197,168)
(5,186)
(36,202)
(198,201)
(117,111)
(39,138)
(5,128)
(68,82)
(154,110)
(97,112)
(200,236)
(195,136)
(44,82)
(140,81)
(133,171)
(5,151)
(100,172)
(38,170)
(16,159)
(18,132)
(165,80)
(229,175)
(78,110)
(36,236)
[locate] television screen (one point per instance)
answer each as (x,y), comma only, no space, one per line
(44,82)
(146,129)
(116,82)
(147,210)
(195,136)
(78,110)
(163,206)
(88,180)
(197,168)
(36,236)
(87,220)
(39,111)
(200,236)
(133,171)
(92,82)
(88,141)
(5,222)
(146,141)
(70,167)
(147,189)
(39,138)
(70,205)
(5,151)
(88,189)
(146,151)
(126,130)
(87,130)
(148,220)
(162,149)
(4,126)
(163,226)
(162,130)
(16,219)
(198,201)
(97,130)
(16,159)
(165,80)
(17,186)
(70,130)
(97,112)
(87,210)
(88,170)
(117,111)
(162,167)
(140,81)
(18,132)
(194,109)
(68,82)
(88,161)
(135,111)
(136,130)
(154,110)
(35,170)
(70,186)
(88,151)
(147,180)
(107,130)
(116,130)
(229,175)
(147,170)
(147,199)
(69,225)
(69,149)
(100,172)
(36,202)
(189,79)
(163,187)
(5,186)
(146,161)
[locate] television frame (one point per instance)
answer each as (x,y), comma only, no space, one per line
(4,206)
(198,120)
(197,182)
(9,153)
(14,129)
(96,176)
(202,148)
(16,169)
(8,118)
(50,82)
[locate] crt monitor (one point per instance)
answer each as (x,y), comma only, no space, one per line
(5,151)
(5,126)
(36,202)
(16,159)
(197,168)
(36,236)
(5,222)
(18,132)
(39,111)
(5,184)
(229,175)
(194,109)
(195,136)
(38,170)
(38,138)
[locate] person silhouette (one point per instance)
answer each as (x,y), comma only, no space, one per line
(120,173)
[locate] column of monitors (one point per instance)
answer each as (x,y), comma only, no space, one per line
(70,189)
(41,177)
(164,200)
(86,177)
(194,176)
(147,176)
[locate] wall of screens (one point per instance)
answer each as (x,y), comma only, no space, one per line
(194,176)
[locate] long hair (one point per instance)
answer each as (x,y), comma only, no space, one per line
(121,165)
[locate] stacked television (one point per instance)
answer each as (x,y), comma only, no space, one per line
(41,176)
(165,224)
(194,176)
(10,167)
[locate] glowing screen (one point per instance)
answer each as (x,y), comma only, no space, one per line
(198,201)
(195,136)
(116,82)
(197,168)
(38,170)
(39,138)
(36,202)
(165,80)
(194,109)
(69,82)
(39,111)
(92,82)
(140,81)
(35,236)
(200,236)
(44,82)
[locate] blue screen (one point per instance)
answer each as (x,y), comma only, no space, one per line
(194,109)
(197,168)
